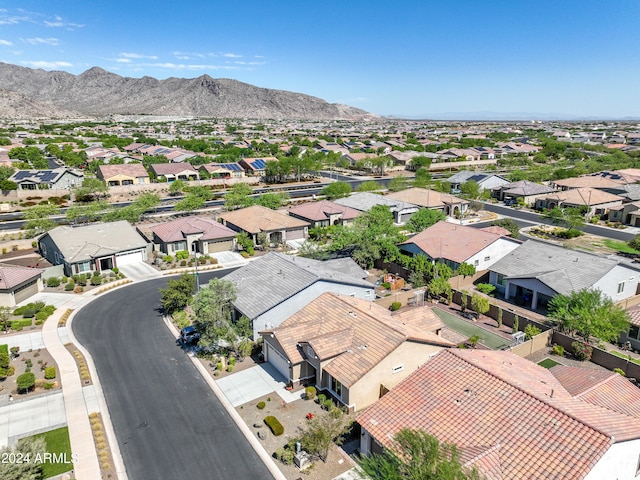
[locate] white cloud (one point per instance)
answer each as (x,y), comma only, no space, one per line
(185,66)
(59,22)
(231,55)
(6,43)
(138,55)
(43,41)
(122,60)
(45,64)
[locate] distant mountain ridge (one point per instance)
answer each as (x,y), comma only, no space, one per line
(97,92)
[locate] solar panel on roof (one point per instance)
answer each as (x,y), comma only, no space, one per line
(258,164)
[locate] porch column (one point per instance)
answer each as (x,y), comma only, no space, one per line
(506,291)
(534,300)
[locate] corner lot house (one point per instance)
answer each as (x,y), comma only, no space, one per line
(513,419)
(536,271)
(324,213)
(193,234)
(256,219)
(55,179)
(17,284)
(128,174)
(454,244)
(95,247)
(272,288)
(352,349)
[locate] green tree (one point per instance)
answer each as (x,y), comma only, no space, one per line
(90,190)
(369,186)
(423,179)
(38,218)
(189,203)
(416,455)
(213,308)
(5,315)
(273,200)
(470,189)
(177,187)
(480,304)
(420,162)
(508,224)
(336,190)
(635,243)
(589,313)
(90,212)
(26,470)
(178,293)
(466,269)
(397,184)
(438,287)
(323,431)
(244,240)
(238,196)
(6,171)
(569,218)
(424,218)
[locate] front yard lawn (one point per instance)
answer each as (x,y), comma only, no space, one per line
(59,445)
(459,325)
(620,246)
(548,363)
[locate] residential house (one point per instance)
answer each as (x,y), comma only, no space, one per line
(364,158)
(175,171)
(627,213)
(633,335)
(425,198)
(278,227)
(521,191)
(485,181)
(595,202)
(454,244)
(54,179)
(365,201)
(324,213)
(255,167)
(193,234)
(517,148)
(536,271)
(352,349)
(511,418)
(128,174)
(17,284)
(93,247)
(222,170)
(272,288)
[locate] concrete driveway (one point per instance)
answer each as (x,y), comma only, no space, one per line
(255,382)
(140,271)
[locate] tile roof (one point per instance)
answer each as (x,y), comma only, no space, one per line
(426,198)
(526,188)
(11,277)
(451,241)
(177,230)
(593,181)
(516,412)
(128,169)
(270,280)
(172,168)
(583,196)
(317,211)
(365,201)
(561,269)
(256,219)
(355,333)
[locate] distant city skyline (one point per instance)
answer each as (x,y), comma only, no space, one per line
(414,59)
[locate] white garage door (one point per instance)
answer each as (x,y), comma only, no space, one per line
(295,234)
(129,258)
(276,359)
(26,291)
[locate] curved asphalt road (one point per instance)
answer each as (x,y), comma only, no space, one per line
(168,422)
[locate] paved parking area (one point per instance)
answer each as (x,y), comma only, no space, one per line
(255,382)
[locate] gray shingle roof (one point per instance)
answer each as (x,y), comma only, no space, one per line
(268,281)
(561,269)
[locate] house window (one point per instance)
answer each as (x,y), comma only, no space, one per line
(43,249)
(634,332)
(486,259)
(56,256)
(84,267)
(476,262)
(500,280)
(178,246)
(336,386)
(367,293)
(621,287)
(397,368)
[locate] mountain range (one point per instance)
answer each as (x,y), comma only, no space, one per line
(36,93)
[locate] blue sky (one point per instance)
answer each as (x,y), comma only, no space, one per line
(410,58)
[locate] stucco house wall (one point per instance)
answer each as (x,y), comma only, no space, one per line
(620,462)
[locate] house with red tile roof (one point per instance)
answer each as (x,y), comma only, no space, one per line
(511,418)
(595,201)
(454,244)
(17,284)
(425,198)
(351,348)
(126,174)
(175,171)
(193,234)
(324,213)
(256,219)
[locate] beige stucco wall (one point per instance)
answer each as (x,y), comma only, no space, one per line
(367,390)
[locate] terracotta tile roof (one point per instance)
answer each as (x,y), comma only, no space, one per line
(356,332)
(177,230)
(256,219)
(451,241)
(11,277)
(584,196)
(634,315)
(317,211)
(496,230)
(130,170)
(425,198)
(592,181)
(172,168)
(508,407)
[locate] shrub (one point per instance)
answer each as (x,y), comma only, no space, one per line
(531,331)
(41,317)
(50,373)
(274,424)
(385,285)
(620,371)
(182,255)
(14,351)
(261,405)
(48,385)
(180,317)
(244,254)
(285,455)
(11,370)
(78,289)
(26,382)
(115,270)
(558,350)
(69,286)
(28,313)
(395,306)
(96,280)
(167,259)
(582,351)
(4,360)
(328,404)
(485,288)
(229,368)
(183,263)
(310,392)
(232,361)
(53,282)
(321,398)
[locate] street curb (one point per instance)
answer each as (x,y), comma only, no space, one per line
(235,416)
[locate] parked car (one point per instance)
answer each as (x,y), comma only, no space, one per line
(189,335)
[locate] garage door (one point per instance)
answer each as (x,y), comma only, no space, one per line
(276,359)
(295,234)
(26,291)
(222,246)
(129,258)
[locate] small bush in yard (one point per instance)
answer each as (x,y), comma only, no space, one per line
(617,370)
(50,373)
(531,331)
(28,313)
(310,392)
(274,424)
(261,405)
(26,382)
(321,398)
(395,306)
(582,351)
(558,350)
(53,282)
(285,455)
(69,286)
